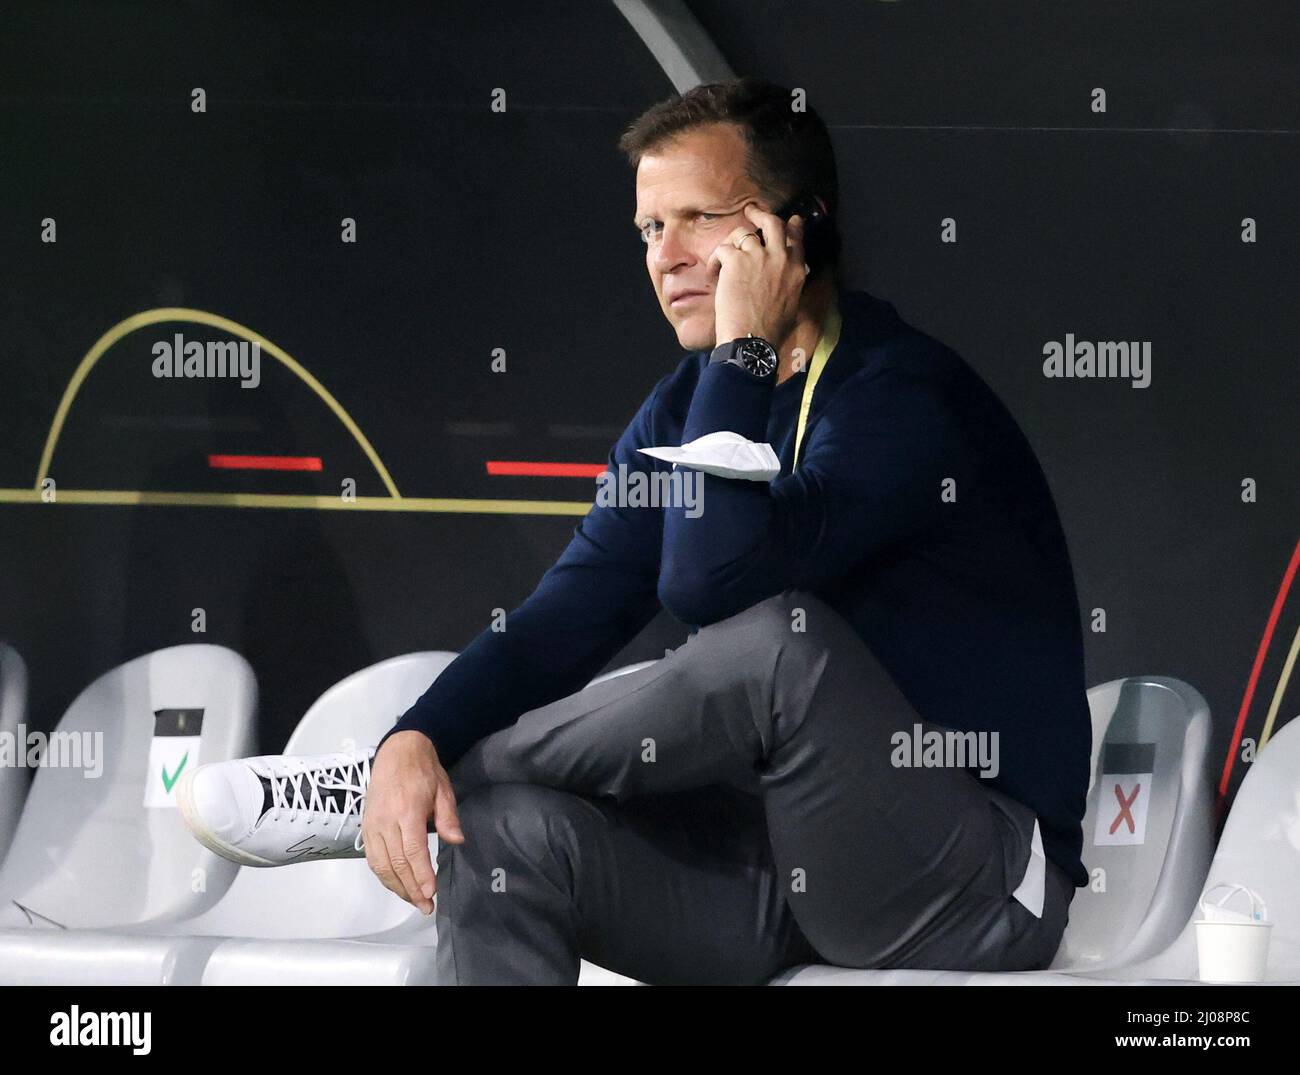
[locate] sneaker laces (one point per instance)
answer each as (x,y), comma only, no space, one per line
(350,777)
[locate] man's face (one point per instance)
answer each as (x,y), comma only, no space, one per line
(690,194)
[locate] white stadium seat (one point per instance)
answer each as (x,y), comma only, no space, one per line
(14,779)
(1150,887)
(107,848)
(331,923)
(277,926)
(1259,848)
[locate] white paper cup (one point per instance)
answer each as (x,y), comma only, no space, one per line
(1232,951)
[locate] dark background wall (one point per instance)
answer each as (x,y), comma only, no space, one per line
(479,230)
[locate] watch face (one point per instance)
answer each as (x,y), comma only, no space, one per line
(759,357)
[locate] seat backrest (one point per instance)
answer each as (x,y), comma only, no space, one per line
(100,841)
(1103,700)
(1148,832)
(1259,848)
(334,897)
(14,778)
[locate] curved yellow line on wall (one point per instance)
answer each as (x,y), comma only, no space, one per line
(1287,668)
(200,317)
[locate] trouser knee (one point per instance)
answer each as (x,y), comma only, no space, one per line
(511,827)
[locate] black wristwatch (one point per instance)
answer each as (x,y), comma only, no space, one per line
(753,354)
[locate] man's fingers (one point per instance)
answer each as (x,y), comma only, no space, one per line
(794,232)
(446,817)
(771,225)
(722,254)
(740,236)
(381,866)
(794,244)
(415,847)
(400,855)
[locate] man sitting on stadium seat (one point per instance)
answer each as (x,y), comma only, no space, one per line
(877,555)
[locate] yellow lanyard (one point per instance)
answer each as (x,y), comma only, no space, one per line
(829,338)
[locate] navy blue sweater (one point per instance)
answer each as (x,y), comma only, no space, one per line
(969,604)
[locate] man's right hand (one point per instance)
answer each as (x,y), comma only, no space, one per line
(408,786)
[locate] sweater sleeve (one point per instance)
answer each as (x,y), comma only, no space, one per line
(872,474)
(595,598)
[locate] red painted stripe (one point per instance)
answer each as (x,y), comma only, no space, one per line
(264,462)
(1280,600)
(547,470)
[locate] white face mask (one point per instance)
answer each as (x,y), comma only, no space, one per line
(1215,911)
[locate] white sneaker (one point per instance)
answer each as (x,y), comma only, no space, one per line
(279,808)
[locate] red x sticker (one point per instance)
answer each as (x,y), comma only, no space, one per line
(1125,813)
(1122,808)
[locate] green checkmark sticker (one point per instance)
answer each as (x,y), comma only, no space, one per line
(170,781)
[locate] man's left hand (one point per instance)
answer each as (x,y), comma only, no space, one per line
(759,283)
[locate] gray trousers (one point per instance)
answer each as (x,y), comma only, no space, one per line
(727,812)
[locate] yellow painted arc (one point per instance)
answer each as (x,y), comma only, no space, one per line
(1287,668)
(201,317)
